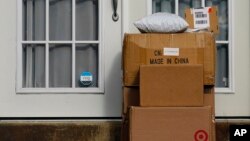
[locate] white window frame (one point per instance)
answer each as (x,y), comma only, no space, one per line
(230,43)
(47,89)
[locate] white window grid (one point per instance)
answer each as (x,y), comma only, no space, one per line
(73,42)
(229,42)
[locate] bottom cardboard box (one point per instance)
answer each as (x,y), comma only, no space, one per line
(170,123)
(209,100)
(125,130)
(131,98)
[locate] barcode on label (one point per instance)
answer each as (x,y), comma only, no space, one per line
(201,18)
(201,22)
(200,15)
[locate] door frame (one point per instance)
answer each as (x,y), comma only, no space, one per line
(73,105)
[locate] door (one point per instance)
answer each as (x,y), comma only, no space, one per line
(232,47)
(67,60)
(232,76)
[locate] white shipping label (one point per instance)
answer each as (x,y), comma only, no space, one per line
(86,78)
(201,18)
(171,51)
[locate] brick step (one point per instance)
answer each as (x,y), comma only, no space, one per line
(80,130)
(59,131)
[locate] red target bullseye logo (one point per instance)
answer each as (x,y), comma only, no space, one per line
(201,135)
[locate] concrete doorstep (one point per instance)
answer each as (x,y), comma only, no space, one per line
(82,130)
(59,131)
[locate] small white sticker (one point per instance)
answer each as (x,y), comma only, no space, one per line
(86,78)
(201,18)
(171,51)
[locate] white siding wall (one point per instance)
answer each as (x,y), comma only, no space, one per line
(7,50)
(226,105)
(236,104)
(132,11)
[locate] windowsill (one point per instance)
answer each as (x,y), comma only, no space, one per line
(224,91)
(60,91)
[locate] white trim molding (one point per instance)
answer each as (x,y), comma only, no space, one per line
(231,52)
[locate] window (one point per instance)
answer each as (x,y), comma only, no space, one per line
(59,42)
(224,74)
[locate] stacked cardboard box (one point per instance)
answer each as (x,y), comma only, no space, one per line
(209,14)
(168,91)
(168,49)
(168,80)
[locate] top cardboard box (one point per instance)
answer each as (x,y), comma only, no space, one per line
(206,15)
(179,48)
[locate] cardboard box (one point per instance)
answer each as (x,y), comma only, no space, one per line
(130,98)
(194,48)
(171,85)
(132,93)
(170,123)
(125,130)
(208,14)
(209,100)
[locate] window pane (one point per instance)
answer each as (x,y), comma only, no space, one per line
(33,65)
(87,61)
(34,20)
(60,20)
(60,65)
(184,4)
(86,20)
(223,17)
(163,6)
(222,66)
